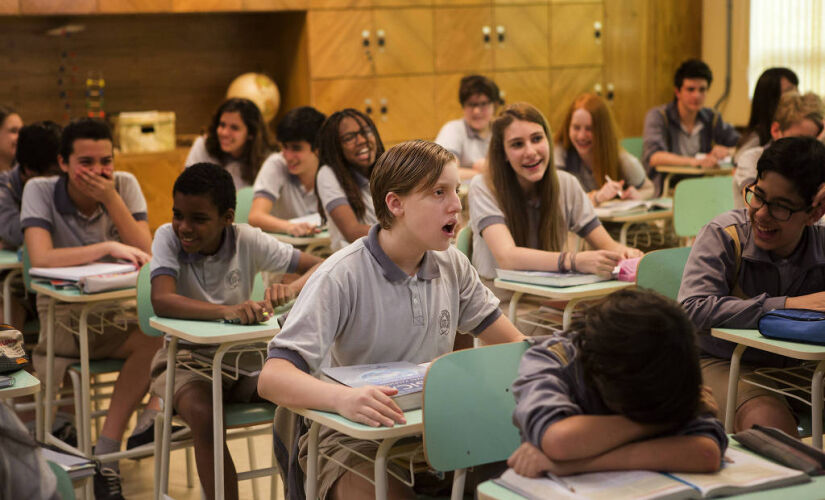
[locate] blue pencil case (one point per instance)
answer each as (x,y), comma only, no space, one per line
(796,325)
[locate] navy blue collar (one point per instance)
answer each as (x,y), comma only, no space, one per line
(426,271)
(62,201)
(225,252)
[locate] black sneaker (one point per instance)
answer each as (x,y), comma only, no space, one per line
(107,484)
(66,433)
(146,436)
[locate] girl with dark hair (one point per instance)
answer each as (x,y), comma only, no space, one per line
(237,139)
(772,83)
(348,145)
(10,124)
(521,209)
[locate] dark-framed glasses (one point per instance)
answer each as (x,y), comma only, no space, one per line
(776,210)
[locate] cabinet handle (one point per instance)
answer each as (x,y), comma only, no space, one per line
(368,106)
(383,106)
(598,89)
(500,31)
(597,31)
(485,31)
(610,91)
(365,38)
(381,35)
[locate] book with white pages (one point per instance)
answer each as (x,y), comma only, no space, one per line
(313,218)
(741,473)
(549,278)
(75,273)
(406,377)
(627,207)
(77,467)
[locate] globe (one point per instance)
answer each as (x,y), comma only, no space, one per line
(259,89)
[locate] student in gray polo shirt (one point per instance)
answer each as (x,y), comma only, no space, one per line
(237,139)
(399,294)
(469,137)
(522,208)
(203,267)
(285,186)
(745,263)
(620,390)
(348,144)
(89,213)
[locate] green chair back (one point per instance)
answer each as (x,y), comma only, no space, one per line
(476,381)
(697,201)
(464,241)
(64,484)
(633,145)
(662,270)
(243,203)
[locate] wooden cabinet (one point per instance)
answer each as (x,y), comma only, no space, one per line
(463,39)
(403,41)
(206,5)
(566,84)
(9,6)
(133,6)
(576,34)
(447,106)
(58,6)
(156,173)
(520,35)
(526,86)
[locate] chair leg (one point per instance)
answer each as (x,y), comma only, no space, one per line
(253,465)
(273,479)
(190,470)
(78,415)
(95,403)
(459,476)
(157,444)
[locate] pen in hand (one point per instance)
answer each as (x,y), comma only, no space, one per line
(559,480)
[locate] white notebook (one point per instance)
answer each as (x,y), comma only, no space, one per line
(74,273)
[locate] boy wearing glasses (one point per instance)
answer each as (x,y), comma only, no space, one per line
(469,137)
(750,261)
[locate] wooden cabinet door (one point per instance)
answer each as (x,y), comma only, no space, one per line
(338,4)
(405,107)
(336,43)
(206,5)
(133,6)
(9,7)
(329,96)
(573,30)
(526,86)
(58,6)
(403,41)
(565,85)
(402,3)
(460,39)
(447,106)
(521,35)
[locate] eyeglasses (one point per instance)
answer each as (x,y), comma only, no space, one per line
(477,105)
(776,210)
(350,137)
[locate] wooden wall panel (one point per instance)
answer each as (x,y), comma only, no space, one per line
(675,35)
(572,40)
(275,4)
(9,6)
(133,6)
(459,42)
(58,6)
(184,63)
(625,66)
(525,37)
(336,43)
(408,36)
(206,5)
(447,106)
(565,85)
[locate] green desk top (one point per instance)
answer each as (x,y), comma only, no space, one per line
(9,260)
(24,383)
(214,332)
(752,338)
(568,292)
(414,425)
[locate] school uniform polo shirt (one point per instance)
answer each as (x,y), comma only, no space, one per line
(552,386)
(577,212)
(285,191)
(11,195)
(199,154)
(466,144)
(46,204)
(632,171)
(227,276)
(360,307)
(332,196)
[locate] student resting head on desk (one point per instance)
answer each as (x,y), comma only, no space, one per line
(237,139)
(285,186)
(620,390)
(348,145)
(522,208)
(89,213)
(203,267)
(771,85)
(588,147)
(747,262)
(398,294)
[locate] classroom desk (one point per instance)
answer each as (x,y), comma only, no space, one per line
(488,490)
(627,220)
(10,262)
(24,384)
(796,350)
(572,294)
(203,333)
(387,435)
(88,302)
(672,170)
(308,244)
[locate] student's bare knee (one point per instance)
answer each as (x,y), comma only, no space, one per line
(351,486)
(768,411)
(194,404)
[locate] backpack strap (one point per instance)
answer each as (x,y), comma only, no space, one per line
(735,289)
(663,112)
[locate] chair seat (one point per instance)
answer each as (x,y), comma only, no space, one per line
(241,414)
(100,366)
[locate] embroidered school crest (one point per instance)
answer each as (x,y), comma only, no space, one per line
(444,322)
(233,279)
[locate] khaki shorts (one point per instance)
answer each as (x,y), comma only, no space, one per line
(715,374)
(241,390)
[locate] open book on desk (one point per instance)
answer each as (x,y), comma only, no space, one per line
(75,273)
(549,278)
(314,219)
(627,207)
(406,377)
(741,473)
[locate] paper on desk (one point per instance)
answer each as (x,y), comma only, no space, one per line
(75,273)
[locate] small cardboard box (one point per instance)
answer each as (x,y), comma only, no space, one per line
(145,131)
